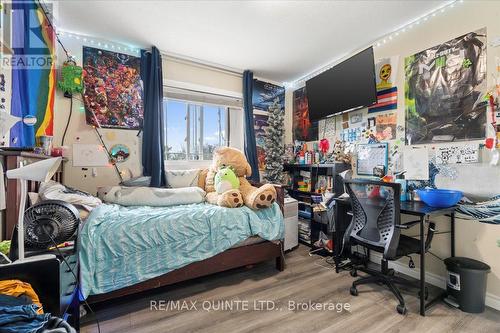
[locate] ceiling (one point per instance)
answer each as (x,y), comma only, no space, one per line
(278,40)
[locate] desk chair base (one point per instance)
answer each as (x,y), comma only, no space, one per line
(386,277)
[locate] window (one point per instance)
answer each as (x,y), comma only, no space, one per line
(194,130)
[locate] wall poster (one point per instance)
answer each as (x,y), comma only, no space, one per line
(303,128)
(264,94)
(113,91)
(444,86)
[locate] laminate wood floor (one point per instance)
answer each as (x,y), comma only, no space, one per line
(305,279)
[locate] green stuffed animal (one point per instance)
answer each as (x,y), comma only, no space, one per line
(226,180)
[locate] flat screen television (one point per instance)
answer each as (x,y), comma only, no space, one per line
(349,85)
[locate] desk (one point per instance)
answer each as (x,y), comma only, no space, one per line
(414,208)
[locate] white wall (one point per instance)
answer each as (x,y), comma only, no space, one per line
(473,239)
(175,72)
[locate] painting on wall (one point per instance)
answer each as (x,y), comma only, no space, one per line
(385,79)
(260,125)
(264,94)
(303,128)
(444,86)
(113,91)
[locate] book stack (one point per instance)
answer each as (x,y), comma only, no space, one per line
(304,231)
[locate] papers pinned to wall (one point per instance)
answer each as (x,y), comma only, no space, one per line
(369,156)
(457,153)
(89,155)
(416,163)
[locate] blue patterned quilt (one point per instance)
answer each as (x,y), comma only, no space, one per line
(121,246)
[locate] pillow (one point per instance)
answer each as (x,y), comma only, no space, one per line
(52,190)
(151,196)
(137,181)
(182,178)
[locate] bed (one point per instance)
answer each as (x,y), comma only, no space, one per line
(243,252)
(126,250)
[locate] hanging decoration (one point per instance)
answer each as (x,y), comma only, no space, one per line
(33,81)
(71,78)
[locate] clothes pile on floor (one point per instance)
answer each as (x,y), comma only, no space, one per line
(21,311)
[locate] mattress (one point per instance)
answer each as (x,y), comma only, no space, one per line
(122,246)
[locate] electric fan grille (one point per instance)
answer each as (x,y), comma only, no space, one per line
(56,218)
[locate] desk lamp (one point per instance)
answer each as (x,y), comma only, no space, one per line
(41,171)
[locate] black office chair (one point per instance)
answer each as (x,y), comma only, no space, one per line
(376,225)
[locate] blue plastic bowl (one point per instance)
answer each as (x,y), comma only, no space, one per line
(440,198)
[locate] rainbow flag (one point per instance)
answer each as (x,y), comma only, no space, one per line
(33,74)
(387,99)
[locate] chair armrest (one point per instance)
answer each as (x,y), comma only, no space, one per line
(408,225)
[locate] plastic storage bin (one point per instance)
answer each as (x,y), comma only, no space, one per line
(466,283)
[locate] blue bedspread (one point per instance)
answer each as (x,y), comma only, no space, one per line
(121,246)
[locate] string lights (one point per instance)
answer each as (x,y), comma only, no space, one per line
(100,43)
(381,41)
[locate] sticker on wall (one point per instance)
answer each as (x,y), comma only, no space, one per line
(111,135)
(457,153)
(120,153)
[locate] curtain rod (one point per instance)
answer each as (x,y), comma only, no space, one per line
(202,63)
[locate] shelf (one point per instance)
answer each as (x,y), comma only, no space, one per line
(325,165)
(303,192)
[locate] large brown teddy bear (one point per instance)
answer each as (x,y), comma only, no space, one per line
(247,194)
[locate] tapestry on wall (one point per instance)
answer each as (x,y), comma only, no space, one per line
(113,91)
(385,79)
(260,125)
(443,91)
(264,94)
(303,128)
(33,76)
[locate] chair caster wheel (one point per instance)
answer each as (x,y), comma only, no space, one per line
(401,309)
(426,294)
(353,291)
(353,273)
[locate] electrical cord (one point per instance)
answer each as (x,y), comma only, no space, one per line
(69,120)
(74,275)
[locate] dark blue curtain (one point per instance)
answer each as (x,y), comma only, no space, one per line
(152,137)
(250,146)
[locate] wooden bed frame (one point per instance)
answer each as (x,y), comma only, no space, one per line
(229,259)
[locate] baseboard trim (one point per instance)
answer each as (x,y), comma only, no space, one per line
(492,301)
